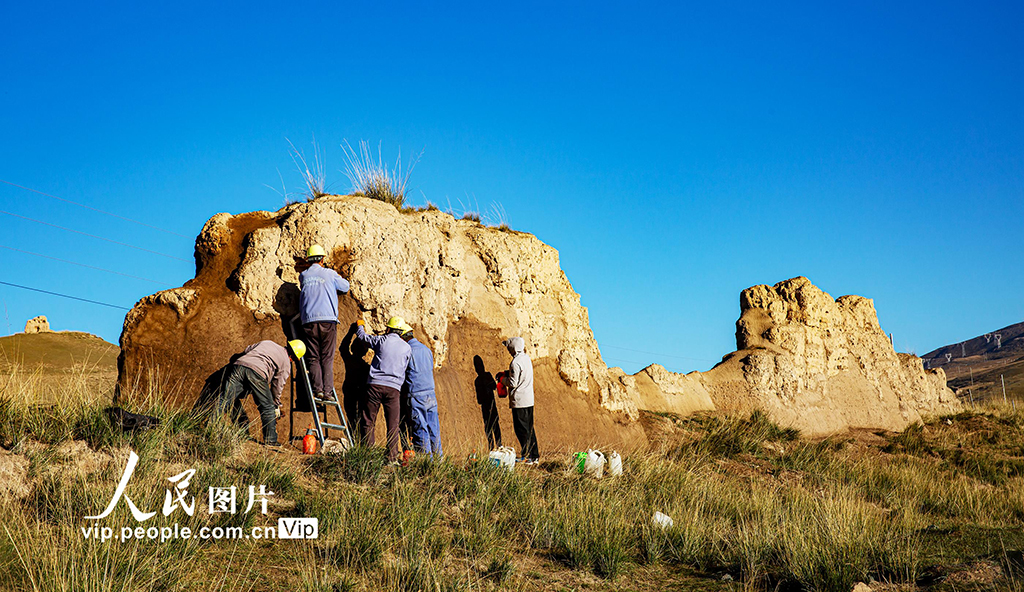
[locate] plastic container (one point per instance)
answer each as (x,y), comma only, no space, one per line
(579,460)
(594,464)
(615,465)
(662,520)
(309,443)
(500,382)
(503,457)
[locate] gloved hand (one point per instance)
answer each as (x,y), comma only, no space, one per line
(277,413)
(360,322)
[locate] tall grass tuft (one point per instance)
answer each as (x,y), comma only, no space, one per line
(313,172)
(730,436)
(361,464)
(371,177)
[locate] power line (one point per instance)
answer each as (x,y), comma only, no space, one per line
(64,295)
(94,209)
(639,351)
(128,275)
(94,236)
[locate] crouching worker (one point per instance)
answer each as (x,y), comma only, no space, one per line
(422,402)
(519,384)
(387,374)
(262,371)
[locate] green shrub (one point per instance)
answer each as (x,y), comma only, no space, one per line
(731,436)
(911,441)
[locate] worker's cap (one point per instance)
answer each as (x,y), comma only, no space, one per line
(298,348)
(315,252)
(396,323)
(515,343)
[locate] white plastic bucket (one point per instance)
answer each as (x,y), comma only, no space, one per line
(594,465)
(503,457)
(615,465)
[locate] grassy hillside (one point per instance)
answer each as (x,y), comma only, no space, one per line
(987,384)
(975,367)
(938,507)
(45,366)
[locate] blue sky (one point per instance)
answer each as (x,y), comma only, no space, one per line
(673,154)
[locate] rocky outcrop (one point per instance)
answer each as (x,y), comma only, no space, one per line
(37,325)
(462,285)
(812,362)
(820,364)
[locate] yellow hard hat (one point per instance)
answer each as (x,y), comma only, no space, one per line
(406,328)
(396,323)
(315,251)
(298,347)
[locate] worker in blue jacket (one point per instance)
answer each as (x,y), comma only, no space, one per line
(383,386)
(422,401)
(318,307)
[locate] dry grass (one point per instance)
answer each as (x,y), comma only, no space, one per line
(313,171)
(748,498)
(371,178)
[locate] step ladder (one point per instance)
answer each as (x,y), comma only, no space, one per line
(316,405)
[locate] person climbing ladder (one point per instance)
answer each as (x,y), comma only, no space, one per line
(318,306)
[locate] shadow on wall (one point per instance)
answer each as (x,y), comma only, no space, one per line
(357,371)
(485,386)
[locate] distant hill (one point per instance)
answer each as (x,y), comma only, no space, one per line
(55,364)
(978,367)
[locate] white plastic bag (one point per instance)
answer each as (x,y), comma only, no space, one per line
(615,465)
(662,520)
(503,457)
(594,465)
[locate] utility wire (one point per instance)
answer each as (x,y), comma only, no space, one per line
(94,209)
(64,295)
(94,236)
(128,275)
(638,351)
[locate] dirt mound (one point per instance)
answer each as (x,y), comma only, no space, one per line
(463,286)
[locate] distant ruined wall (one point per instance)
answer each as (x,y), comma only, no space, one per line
(820,364)
(37,325)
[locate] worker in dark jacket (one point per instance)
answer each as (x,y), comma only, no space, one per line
(387,374)
(420,397)
(318,308)
(262,370)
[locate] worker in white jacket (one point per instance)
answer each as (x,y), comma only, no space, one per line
(519,383)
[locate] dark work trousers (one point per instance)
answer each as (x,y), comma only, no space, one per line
(390,398)
(242,381)
(322,339)
(522,421)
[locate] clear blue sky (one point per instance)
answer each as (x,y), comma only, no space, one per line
(673,154)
